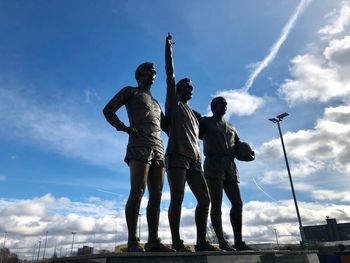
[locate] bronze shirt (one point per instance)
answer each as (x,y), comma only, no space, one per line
(183,132)
(144,114)
(219,137)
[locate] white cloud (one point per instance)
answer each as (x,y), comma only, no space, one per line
(102,222)
(314,79)
(322,76)
(338,54)
(28,220)
(68,133)
(300,169)
(330,195)
(340,19)
(2,178)
(90,96)
(240,102)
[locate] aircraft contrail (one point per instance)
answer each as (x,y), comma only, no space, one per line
(262,190)
(107,192)
(276,46)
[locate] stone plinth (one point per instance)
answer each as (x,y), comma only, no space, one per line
(198,257)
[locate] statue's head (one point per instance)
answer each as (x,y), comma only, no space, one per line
(184,89)
(145,72)
(218,106)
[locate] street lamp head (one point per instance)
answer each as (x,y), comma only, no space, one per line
(281,116)
(274,120)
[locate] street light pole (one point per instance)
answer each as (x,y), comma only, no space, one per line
(37,259)
(5,234)
(45,244)
(55,249)
(3,256)
(71,251)
(34,249)
(278,245)
(93,243)
(277,120)
(115,238)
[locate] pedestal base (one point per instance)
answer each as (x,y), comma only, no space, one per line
(198,257)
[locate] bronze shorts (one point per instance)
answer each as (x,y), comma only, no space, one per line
(146,155)
(180,161)
(221,168)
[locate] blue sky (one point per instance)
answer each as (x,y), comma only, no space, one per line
(62,166)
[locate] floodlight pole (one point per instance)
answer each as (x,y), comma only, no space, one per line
(4,244)
(37,259)
(5,235)
(71,251)
(34,250)
(278,245)
(45,244)
(277,120)
(93,243)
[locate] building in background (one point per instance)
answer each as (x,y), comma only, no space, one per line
(330,232)
(85,250)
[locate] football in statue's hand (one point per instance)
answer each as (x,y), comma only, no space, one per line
(243,152)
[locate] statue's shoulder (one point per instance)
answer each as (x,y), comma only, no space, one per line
(231,126)
(206,119)
(128,90)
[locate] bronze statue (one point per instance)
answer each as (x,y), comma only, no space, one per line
(145,153)
(183,157)
(220,142)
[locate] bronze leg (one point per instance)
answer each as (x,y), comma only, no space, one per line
(233,193)
(215,190)
(138,176)
(177,179)
(155,186)
(199,188)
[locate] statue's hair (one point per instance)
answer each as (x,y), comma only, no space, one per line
(141,68)
(215,101)
(181,83)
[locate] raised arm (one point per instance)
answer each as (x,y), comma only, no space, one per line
(109,111)
(171,99)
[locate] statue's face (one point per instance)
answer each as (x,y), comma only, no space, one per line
(186,91)
(220,107)
(148,75)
